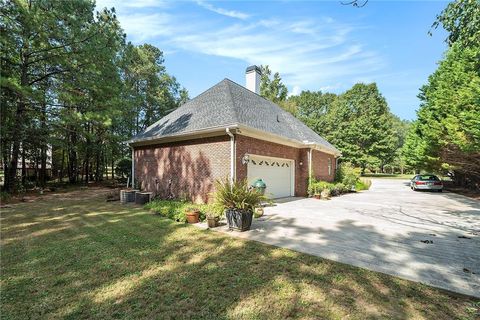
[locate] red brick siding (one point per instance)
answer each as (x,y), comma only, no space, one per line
(265,148)
(192,165)
(320,166)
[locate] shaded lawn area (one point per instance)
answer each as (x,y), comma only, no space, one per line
(76,256)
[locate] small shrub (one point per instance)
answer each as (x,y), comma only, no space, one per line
(4,196)
(175,209)
(363,184)
(317,186)
(338,189)
(347,174)
(123,168)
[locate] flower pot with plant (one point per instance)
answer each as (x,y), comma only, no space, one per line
(239,202)
(258,212)
(214,212)
(325,194)
(193,215)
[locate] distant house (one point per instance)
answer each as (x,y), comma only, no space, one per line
(230,131)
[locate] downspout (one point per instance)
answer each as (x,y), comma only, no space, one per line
(133,168)
(310,167)
(232,155)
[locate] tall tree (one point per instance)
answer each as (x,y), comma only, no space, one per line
(446,135)
(70,83)
(312,108)
(461,19)
(272,88)
(360,125)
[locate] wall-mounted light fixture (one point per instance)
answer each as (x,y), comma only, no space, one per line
(245,159)
(301,163)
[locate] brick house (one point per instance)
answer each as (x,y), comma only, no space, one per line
(230,131)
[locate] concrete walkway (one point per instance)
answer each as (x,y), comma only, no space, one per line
(433,238)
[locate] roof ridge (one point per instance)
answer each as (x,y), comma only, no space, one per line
(244,88)
(232,101)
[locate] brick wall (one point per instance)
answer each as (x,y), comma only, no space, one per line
(194,165)
(191,165)
(320,166)
(264,148)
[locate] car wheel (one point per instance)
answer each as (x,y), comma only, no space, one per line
(440,190)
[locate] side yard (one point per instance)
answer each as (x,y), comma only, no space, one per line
(74,255)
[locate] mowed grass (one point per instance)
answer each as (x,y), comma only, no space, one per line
(75,256)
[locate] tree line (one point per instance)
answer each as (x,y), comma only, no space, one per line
(72,84)
(358,122)
(445,137)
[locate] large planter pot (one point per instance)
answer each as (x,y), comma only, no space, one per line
(238,219)
(193,216)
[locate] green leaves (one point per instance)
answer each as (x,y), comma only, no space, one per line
(461,18)
(447,131)
(272,89)
(360,124)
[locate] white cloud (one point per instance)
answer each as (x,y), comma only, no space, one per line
(296,90)
(309,53)
(223,12)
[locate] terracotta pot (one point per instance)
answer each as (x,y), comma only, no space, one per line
(212,222)
(317,196)
(193,216)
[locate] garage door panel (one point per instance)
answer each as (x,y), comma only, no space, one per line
(275,172)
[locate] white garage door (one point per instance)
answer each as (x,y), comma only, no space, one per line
(277,174)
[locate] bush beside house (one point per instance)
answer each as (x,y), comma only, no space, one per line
(347,179)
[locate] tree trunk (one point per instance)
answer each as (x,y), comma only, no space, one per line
(113,166)
(61,166)
(72,158)
(24,167)
(44,146)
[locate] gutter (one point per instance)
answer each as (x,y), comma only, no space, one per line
(155,139)
(133,168)
(232,155)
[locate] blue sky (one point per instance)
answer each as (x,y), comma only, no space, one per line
(315,45)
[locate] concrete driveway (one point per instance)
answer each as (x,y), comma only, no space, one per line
(433,238)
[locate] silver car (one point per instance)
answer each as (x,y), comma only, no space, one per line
(426,182)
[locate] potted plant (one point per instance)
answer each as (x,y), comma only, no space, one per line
(258,212)
(325,194)
(193,215)
(239,202)
(317,196)
(214,212)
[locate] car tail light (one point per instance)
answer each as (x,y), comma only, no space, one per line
(438,183)
(419,182)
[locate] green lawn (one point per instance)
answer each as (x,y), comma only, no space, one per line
(76,256)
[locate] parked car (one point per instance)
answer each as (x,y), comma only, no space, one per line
(426,182)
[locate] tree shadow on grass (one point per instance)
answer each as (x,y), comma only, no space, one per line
(113,261)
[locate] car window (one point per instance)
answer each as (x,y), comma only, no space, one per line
(429,177)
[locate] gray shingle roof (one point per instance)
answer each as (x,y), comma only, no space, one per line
(226,104)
